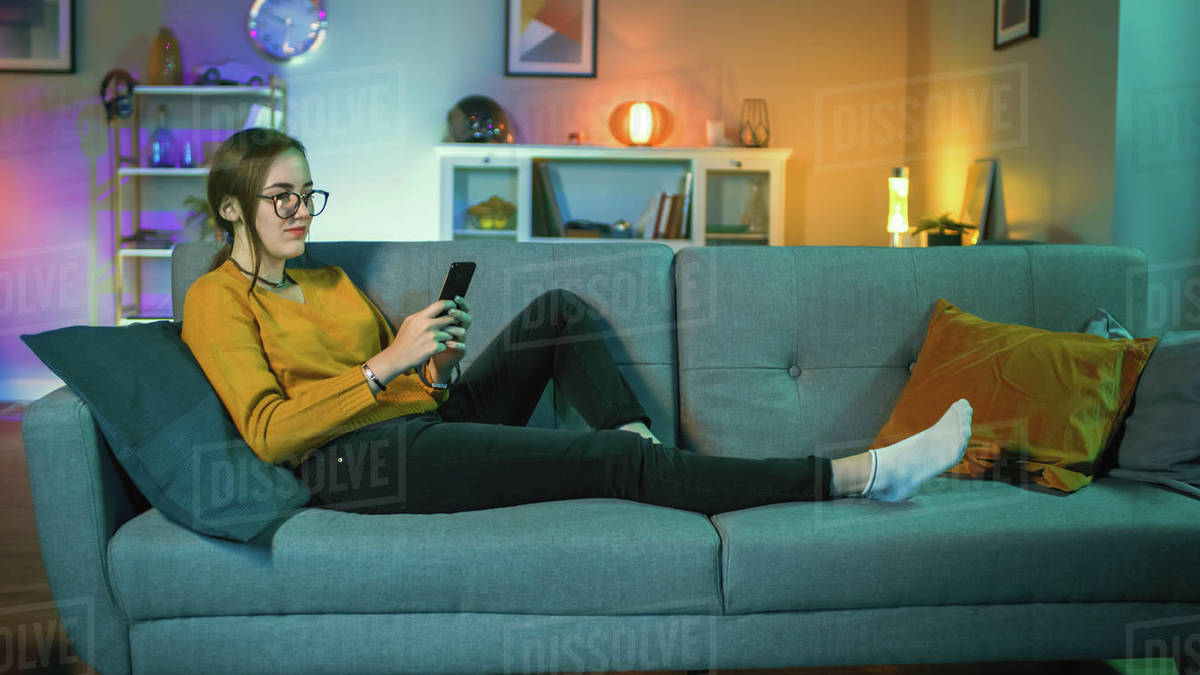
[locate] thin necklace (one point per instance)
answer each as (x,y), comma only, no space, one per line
(275,285)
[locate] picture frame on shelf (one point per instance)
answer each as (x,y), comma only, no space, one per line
(1015,20)
(554,38)
(978,197)
(37,36)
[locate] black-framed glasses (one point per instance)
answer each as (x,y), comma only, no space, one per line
(288,203)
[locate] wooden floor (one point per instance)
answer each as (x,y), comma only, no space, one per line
(32,641)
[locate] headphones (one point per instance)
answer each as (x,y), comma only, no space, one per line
(121,104)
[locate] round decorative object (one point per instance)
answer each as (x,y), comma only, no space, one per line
(478,119)
(640,123)
(285,29)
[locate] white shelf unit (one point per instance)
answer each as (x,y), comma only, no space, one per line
(130,170)
(470,173)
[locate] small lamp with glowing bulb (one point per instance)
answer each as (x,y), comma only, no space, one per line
(640,123)
(897,223)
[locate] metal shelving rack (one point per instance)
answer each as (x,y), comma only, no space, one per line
(129,167)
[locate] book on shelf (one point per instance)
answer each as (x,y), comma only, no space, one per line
(685,213)
(665,205)
(645,224)
(653,213)
(537,217)
(674,217)
(547,219)
(678,227)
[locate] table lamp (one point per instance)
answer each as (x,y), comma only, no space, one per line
(640,123)
(897,223)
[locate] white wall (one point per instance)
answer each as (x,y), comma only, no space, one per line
(1043,107)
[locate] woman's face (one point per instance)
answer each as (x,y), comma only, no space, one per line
(284,237)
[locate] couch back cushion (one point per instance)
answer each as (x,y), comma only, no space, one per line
(790,351)
(631,286)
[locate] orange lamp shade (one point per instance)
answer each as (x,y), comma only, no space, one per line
(640,123)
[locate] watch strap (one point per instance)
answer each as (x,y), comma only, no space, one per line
(438,385)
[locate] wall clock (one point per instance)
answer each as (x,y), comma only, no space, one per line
(285,29)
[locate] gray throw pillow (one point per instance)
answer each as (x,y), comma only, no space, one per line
(167,428)
(1161,442)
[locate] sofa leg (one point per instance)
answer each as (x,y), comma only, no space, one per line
(701,672)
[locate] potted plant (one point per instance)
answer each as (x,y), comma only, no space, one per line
(949,231)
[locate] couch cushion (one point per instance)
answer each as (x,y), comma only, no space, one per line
(589,556)
(961,542)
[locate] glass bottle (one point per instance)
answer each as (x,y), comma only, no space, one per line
(187,154)
(162,143)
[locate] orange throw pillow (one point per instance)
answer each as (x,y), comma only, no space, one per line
(1046,404)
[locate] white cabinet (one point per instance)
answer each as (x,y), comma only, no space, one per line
(139,238)
(737,194)
(470,179)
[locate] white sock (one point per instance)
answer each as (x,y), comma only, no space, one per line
(899,469)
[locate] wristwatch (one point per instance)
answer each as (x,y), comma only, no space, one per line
(437,385)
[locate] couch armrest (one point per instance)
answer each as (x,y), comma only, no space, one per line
(80,499)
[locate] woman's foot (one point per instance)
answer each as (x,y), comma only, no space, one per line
(899,469)
(641,429)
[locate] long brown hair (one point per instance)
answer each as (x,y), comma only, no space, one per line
(239,169)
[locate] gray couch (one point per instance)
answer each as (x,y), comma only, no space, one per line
(747,351)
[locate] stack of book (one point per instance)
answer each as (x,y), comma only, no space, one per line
(667,216)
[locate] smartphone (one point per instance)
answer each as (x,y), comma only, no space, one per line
(458,278)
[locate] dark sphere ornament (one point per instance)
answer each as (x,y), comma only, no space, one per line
(478,119)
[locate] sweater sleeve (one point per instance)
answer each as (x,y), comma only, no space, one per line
(223,335)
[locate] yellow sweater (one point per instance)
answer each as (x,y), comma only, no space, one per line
(289,373)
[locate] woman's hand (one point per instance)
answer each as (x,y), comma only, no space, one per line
(419,337)
(442,363)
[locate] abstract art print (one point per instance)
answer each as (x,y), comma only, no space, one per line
(35,36)
(550,38)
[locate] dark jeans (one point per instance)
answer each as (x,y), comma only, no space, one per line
(476,453)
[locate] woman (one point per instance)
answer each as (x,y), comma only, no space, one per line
(315,379)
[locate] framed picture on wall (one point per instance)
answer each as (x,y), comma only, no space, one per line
(555,38)
(36,36)
(1015,21)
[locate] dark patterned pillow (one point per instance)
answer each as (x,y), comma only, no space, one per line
(168,429)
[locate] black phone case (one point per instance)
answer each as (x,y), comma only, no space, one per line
(458,280)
